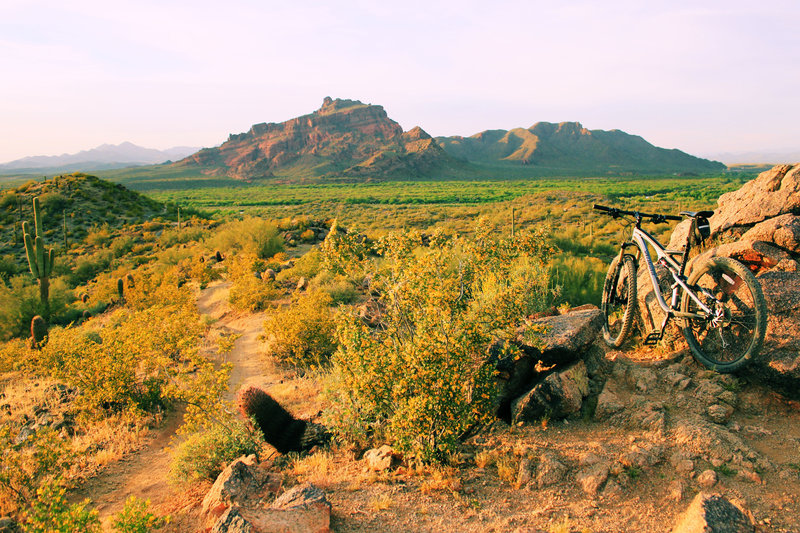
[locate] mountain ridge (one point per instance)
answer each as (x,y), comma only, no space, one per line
(104,156)
(347,139)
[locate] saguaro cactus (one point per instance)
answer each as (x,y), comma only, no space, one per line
(39,260)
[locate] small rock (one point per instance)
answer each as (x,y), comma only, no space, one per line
(675,490)
(608,404)
(713,513)
(527,469)
(720,413)
(302,284)
(588,459)
(729,397)
(379,459)
(593,479)
(685,466)
(550,470)
(707,479)
(749,475)
(268,275)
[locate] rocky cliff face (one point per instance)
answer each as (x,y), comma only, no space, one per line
(343,137)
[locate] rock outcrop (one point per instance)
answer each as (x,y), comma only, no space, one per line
(341,138)
(758,225)
(549,378)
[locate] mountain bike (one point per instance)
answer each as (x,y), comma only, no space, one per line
(720,305)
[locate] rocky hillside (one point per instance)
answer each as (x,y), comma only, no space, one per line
(569,146)
(84,201)
(342,138)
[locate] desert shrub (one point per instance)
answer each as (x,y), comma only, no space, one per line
(122,245)
(203,272)
(345,252)
(8,200)
(249,292)
(306,266)
(136,517)
(27,466)
(19,303)
(90,265)
(51,512)
(9,267)
(98,236)
(308,235)
(303,334)
(339,288)
(148,354)
(205,453)
(424,379)
(250,235)
(53,203)
(171,237)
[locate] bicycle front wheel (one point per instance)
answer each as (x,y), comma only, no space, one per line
(732,335)
(619,300)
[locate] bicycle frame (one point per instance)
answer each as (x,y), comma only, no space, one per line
(643,241)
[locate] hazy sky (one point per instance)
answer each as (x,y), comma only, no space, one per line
(701,76)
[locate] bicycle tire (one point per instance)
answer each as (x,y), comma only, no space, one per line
(619,300)
(734,339)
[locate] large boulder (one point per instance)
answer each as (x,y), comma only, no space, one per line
(779,362)
(242,482)
(713,513)
(302,509)
(559,395)
(773,193)
(546,342)
(759,225)
(561,339)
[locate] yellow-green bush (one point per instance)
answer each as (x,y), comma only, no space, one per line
(248,291)
(303,333)
(203,454)
(250,235)
(422,380)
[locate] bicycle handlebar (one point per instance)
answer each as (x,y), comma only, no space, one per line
(614,212)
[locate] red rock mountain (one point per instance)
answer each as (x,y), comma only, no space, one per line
(343,138)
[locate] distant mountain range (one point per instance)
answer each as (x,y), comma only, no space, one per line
(106,156)
(350,140)
(347,139)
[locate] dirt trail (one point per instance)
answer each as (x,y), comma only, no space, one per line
(144,474)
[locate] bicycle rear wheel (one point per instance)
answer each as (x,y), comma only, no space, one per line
(619,300)
(732,336)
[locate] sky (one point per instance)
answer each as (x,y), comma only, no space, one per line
(703,76)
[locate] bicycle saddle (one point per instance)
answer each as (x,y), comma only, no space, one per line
(695,214)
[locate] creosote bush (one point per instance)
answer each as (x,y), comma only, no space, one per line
(423,379)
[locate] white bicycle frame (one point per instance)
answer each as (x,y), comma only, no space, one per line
(642,239)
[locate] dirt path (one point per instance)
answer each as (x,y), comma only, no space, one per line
(144,474)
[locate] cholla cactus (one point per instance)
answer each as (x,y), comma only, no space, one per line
(39,261)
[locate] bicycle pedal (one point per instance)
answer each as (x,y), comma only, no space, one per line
(653,338)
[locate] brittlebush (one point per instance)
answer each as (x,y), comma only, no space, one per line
(423,379)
